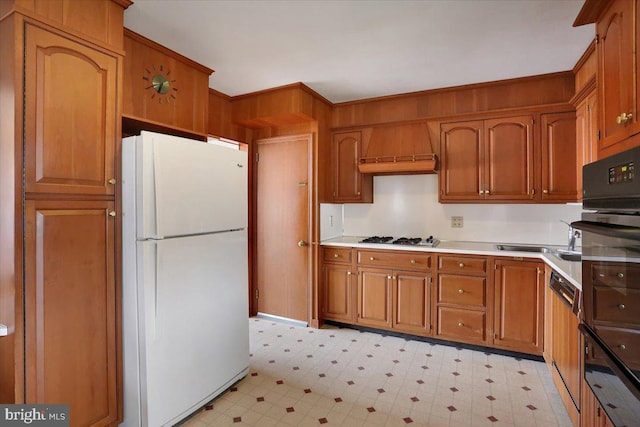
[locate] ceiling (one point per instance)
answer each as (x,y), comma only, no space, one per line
(355,49)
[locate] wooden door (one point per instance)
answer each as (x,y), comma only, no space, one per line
(616,72)
(347,181)
(519,299)
(374,297)
(411,302)
(559,155)
(338,292)
(462,161)
(283,226)
(509,158)
(70,120)
(71,326)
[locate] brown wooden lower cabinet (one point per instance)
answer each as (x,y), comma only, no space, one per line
(338,292)
(71,308)
(411,302)
(592,414)
(519,305)
(374,297)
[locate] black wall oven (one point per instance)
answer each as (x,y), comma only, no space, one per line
(611,284)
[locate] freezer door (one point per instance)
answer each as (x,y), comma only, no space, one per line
(193,317)
(188,187)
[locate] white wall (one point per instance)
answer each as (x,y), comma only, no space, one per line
(407,205)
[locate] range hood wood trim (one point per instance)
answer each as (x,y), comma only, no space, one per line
(418,166)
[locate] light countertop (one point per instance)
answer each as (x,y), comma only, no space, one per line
(572,271)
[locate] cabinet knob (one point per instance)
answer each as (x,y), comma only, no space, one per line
(413,261)
(486,192)
(112,181)
(624,118)
(623,347)
(461,265)
(460,324)
(371,258)
(112,213)
(389,277)
(460,291)
(348,273)
(481,192)
(622,306)
(620,275)
(358,193)
(545,191)
(302,243)
(336,256)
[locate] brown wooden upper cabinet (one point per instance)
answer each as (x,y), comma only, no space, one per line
(503,160)
(487,160)
(617,73)
(70,120)
(348,184)
(559,158)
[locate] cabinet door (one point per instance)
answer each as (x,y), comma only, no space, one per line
(462,161)
(518,305)
(509,158)
(586,135)
(615,72)
(559,152)
(71,114)
(347,181)
(411,299)
(338,301)
(374,297)
(71,322)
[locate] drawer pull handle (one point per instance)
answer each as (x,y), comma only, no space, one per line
(461,265)
(622,306)
(413,261)
(460,291)
(620,275)
(336,256)
(623,347)
(460,324)
(371,258)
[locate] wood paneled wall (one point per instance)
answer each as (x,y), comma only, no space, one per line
(586,69)
(469,99)
(220,122)
(188,110)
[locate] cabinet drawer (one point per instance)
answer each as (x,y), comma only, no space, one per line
(467,324)
(616,275)
(331,254)
(462,264)
(617,305)
(396,260)
(625,343)
(462,290)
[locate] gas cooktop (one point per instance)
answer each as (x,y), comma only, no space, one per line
(411,241)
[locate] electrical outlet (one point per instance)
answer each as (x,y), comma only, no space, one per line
(457,222)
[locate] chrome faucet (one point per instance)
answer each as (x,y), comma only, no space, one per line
(573,233)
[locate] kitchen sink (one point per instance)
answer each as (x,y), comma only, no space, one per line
(568,255)
(523,248)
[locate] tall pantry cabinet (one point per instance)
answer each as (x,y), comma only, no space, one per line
(60,111)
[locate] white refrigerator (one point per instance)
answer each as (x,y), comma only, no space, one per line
(185,296)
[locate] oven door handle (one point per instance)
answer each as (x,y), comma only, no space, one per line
(611,230)
(614,362)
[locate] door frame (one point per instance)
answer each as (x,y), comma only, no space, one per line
(311,220)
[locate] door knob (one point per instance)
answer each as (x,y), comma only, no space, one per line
(4,331)
(112,181)
(302,243)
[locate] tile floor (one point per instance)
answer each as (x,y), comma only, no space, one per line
(344,377)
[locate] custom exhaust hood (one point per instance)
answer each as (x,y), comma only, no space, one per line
(398,149)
